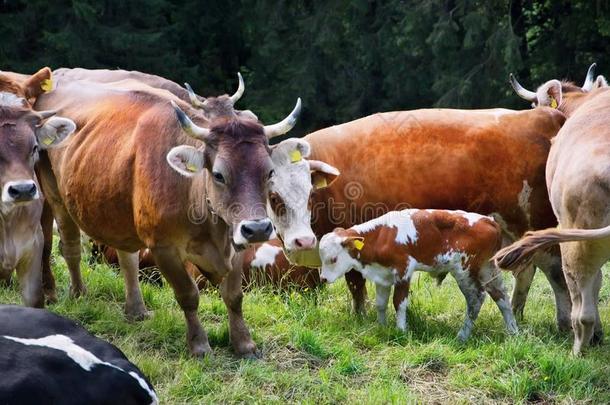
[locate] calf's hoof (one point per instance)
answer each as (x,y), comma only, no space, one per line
(247,350)
(201,350)
(50,297)
(138,315)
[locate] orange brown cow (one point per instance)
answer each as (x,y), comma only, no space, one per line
(135,175)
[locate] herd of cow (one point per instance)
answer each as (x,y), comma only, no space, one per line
(138,162)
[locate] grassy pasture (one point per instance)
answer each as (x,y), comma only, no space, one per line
(315,351)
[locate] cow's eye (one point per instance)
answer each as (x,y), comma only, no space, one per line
(34,149)
(218,177)
(271,173)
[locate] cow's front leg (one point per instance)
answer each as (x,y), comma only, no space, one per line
(135,309)
(232,295)
(29,273)
(382,296)
(48,281)
(186,294)
(401,303)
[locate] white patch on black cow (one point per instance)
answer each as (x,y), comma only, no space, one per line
(84,358)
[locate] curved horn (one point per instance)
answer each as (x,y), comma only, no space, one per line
(588,85)
(286,124)
(193,97)
(189,126)
(521,91)
(46,114)
(240,89)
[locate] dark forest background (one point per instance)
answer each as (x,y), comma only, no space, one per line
(346,59)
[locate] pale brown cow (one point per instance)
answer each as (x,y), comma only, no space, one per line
(23,133)
(113,181)
(579,190)
(388,250)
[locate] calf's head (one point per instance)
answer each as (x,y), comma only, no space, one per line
(295,178)
(339,252)
(237,165)
(23,132)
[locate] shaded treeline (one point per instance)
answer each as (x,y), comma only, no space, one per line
(345,58)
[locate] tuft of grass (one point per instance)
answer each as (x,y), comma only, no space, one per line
(315,351)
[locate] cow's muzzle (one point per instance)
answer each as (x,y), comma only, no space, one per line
(19,191)
(254,231)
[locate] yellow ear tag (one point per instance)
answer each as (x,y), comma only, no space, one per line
(358,244)
(295,156)
(191,167)
(46,85)
(321,182)
(47,141)
(553,102)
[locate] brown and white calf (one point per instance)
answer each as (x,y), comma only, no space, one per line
(23,132)
(389,249)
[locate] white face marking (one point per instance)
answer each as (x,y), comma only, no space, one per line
(524,200)
(292,183)
(11,100)
(401,220)
(265,255)
(85,359)
(336,261)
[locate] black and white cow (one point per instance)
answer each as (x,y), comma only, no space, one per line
(48,359)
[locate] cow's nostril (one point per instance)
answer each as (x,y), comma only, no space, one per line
(246,231)
(32,190)
(22,191)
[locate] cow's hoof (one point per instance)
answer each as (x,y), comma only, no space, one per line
(51,298)
(247,350)
(78,291)
(201,350)
(138,316)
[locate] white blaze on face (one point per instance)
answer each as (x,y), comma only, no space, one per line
(11,100)
(265,255)
(84,358)
(336,261)
(401,220)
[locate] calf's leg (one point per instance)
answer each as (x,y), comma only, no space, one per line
(401,303)
(475,297)
(135,309)
(357,286)
(381,301)
(186,294)
(491,280)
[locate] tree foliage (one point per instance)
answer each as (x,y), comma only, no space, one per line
(345,58)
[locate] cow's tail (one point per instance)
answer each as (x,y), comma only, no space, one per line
(520,252)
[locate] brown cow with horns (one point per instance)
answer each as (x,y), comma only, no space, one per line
(132,176)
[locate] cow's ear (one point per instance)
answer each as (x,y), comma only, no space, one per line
(549,94)
(186,160)
(291,150)
(353,242)
(322,174)
(600,82)
(40,82)
(54,131)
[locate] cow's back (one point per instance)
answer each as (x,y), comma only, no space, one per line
(485,161)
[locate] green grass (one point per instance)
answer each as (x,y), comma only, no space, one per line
(315,351)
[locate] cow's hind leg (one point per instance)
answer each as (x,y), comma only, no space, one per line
(582,271)
(382,296)
(232,295)
(474,295)
(523,282)
(357,287)
(186,294)
(491,280)
(550,264)
(135,309)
